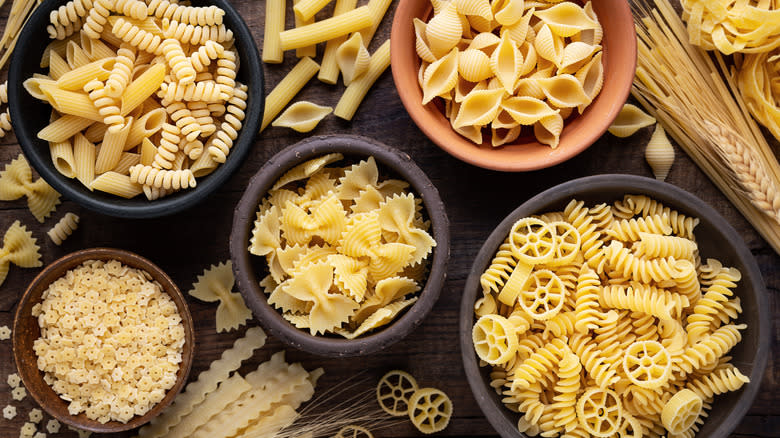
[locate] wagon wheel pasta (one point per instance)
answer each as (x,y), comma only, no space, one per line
(430,410)
(629,335)
(153,83)
(491,58)
(394,391)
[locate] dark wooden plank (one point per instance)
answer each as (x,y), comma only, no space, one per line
(476,201)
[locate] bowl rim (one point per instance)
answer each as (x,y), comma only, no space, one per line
(248,282)
(73,260)
(492,161)
(485,397)
(37,152)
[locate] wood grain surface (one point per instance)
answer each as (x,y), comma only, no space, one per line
(476,200)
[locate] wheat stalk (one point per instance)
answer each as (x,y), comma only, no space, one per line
(746,168)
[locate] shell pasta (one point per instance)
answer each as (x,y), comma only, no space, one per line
(140,95)
(603,319)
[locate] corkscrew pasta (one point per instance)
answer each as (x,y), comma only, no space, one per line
(631,334)
(510,67)
(344,249)
(153,82)
(63,228)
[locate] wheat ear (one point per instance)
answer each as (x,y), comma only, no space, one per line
(746,169)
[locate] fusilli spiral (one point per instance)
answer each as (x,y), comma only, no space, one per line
(627,230)
(97,18)
(719,382)
(646,299)
(643,270)
(710,348)
(107,107)
(206,91)
(201,16)
(169,145)
(188,33)
(681,225)
(540,363)
(122,72)
(63,228)
(130,33)
(5,122)
(68,18)
(226,72)
(228,131)
(161,178)
(180,64)
(202,58)
(182,117)
(494,277)
(131,8)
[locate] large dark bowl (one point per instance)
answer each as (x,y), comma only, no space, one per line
(249,268)
(30,115)
(716,239)
(26,331)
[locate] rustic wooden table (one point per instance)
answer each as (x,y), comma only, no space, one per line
(476,200)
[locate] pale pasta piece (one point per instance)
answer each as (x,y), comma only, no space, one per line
(659,153)
(116,184)
(302,116)
(216,284)
(16,181)
(505,62)
(306,9)
(564,91)
(357,90)
(566,19)
(274,25)
(430,410)
(440,77)
(527,110)
(380,317)
(329,67)
(508,12)
(306,169)
(63,228)
(549,46)
(474,66)
(64,128)
(591,76)
(378,9)
(327,29)
(629,121)
(310,51)
(352,58)
(479,108)
(62,158)
(421,45)
(444,30)
(286,90)
(84,153)
(19,248)
(575,55)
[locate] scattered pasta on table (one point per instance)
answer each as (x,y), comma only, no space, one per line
(601,320)
(429,409)
(216,284)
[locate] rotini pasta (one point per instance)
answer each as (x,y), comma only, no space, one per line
(162,178)
(63,228)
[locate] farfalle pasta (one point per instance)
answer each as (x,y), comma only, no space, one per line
(480,56)
(603,321)
(346,250)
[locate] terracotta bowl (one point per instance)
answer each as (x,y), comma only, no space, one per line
(525,153)
(29,115)
(716,239)
(26,331)
(250,269)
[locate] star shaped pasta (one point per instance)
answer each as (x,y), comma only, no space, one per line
(313,285)
(396,215)
(363,239)
(16,181)
(216,284)
(18,248)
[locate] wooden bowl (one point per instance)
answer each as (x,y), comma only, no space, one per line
(716,239)
(525,153)
(29,115)
(26,331)
(249,269)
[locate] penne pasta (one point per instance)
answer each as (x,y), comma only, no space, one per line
(62,158)
(325,30)
(56,46)
(71,102)
(287,88)
(126,161)
(144,127)
(117,184)
(75,55)
(84,160)
(64,128)
(329,68)
(378,9)
(34,84)
(311,50)
(111,148)
(306,9)
(96,132)
(358,89)
(77,78)
(142,87)
(274,26)
(57,65)
(148,151)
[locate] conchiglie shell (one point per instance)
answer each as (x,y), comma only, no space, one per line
(529,87)
(479,108)
(659,153)
(466,26)
(591,76)
(421,45)
(302,116)
(444,31)
(480,8)
(353,58)
(465,87)
(519,30)
(590,36)
(508,12)
(565,112)
(575,55)
(494,84)
(548,45)
(529,58)
(506,62)
(502,136)
(440,77)
(548,130)
(485,42)
(527,110)
(473,133)
(474,65)
(439,5)
(481,24)
(564,91)
(630,120)
(566,19)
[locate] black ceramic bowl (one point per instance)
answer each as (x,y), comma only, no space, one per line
(716,239)
(250,269)
(29,115)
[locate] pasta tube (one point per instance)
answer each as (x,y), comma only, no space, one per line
(358,88)
(284,92)
(274,25)
(329,68)
(325,30)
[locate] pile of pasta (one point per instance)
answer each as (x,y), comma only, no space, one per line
(347,35)
(345,251)
(603,320)
(504,65)
(144,94)
(728,26)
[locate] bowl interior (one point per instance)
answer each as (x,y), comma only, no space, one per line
(716,239)
(619,60)
(26,331)
(250,269)
(30,115)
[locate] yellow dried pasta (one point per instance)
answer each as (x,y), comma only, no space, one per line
(16,181)
(216,284)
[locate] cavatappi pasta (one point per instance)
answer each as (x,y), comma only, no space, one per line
(604,320)
(144,94)
(346,250)
(503,65)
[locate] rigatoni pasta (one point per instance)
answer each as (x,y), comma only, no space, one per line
(142,90)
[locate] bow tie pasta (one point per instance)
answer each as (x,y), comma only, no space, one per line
(604,321)
(346,250)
